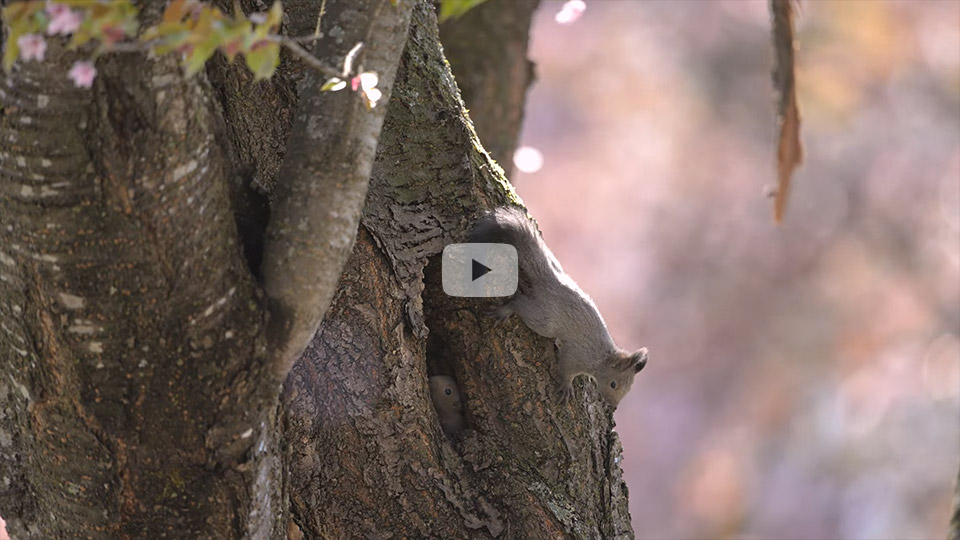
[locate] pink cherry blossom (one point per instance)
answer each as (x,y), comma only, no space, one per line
(55,10)
(32,47)
(571,11)
(82,73)
(63,20)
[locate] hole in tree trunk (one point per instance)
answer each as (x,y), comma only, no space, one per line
(454,336)
(251,205)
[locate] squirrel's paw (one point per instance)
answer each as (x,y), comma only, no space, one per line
(499,313)
(564,391)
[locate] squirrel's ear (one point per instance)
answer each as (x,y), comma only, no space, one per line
(638,360)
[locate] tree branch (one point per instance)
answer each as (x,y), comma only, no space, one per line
(323,180)
(293,45)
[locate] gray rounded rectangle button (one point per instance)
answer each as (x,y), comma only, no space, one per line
(479,270)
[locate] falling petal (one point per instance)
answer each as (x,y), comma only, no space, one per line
(571,11)
(528,159)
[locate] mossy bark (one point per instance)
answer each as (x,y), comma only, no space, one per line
(487,49)
(133,345)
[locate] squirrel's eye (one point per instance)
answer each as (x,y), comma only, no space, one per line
(447,391)
(613,384)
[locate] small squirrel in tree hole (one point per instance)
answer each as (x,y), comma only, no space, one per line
(446,399)
(551,304)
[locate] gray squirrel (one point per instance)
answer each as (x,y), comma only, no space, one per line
(551,304)
(446,399)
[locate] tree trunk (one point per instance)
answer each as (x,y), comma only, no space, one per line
(138,393)
(487,49)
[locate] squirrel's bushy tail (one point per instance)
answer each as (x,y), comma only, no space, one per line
(510,225)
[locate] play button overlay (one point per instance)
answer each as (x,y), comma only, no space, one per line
(479,270)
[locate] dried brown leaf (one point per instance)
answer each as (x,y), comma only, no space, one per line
(789,148)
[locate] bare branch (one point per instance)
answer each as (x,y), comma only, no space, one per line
(293,45)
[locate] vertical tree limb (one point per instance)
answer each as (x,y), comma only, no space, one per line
(323,180)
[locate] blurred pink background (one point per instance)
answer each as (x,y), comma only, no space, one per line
(804,379)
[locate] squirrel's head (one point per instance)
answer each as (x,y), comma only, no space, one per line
(616,382)
(445,394)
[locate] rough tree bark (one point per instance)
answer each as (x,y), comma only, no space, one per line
(141,352)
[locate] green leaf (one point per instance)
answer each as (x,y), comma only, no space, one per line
(81,36)
(170,43)
(232,38)
(263,59)
(106,22)
(20,12)
(274,16)
(333,84)
(12,50)
(199,55)
(456,8)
